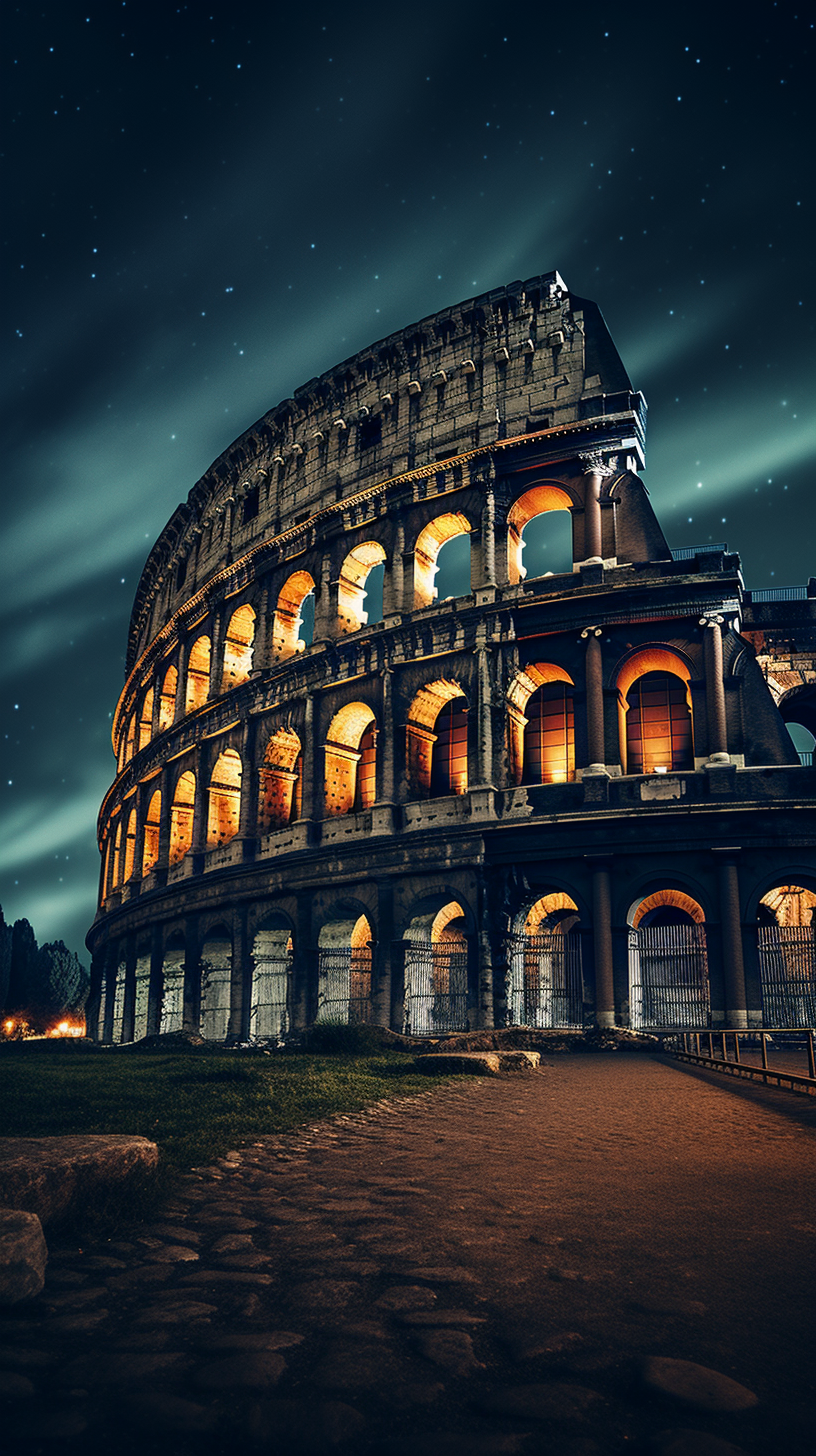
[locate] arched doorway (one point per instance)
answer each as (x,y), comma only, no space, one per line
(436,972)
(668,963)
(786,946)
(545,977)
(269,1011)
(216,971)
(344,971)
(172,1001)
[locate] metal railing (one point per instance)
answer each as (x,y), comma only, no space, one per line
(749,1054)
(687,553)
(779,594)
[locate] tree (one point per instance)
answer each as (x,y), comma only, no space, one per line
(6,934)
(22,969)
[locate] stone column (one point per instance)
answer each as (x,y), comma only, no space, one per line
(129,1016)
(487,572)
(736,1014)
(393,603)
(325,604)
(715,688)
(381,990)
(156,984)
(240,974)
(164,821)
(181,681)
(602,940)
(486,973)
(248,821)
(304,993)
(157,686)
(92,1005)
(260,654)
(140,800)
(192,975)
(216,652)
(386,739)
(596,470)
(110,973)
(485,717)
(309,751)
(201,805)
(596,737)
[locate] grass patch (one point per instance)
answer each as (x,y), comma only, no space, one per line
(195,1108)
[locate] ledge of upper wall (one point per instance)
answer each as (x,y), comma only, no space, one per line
(521,359)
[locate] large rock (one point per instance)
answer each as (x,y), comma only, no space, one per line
(478,1063)
(55,1176)
(697,1385)
(23,1255)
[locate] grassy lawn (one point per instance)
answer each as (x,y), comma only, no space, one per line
(195,1107)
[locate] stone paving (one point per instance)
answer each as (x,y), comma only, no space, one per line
(538,1264)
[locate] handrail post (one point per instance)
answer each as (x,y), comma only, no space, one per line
(710,1047)
(764,1041)
(724,1048)
(736,1047)
(811,1061)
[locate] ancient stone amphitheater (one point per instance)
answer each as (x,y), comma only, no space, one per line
(424,723)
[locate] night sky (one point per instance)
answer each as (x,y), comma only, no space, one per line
(206,205)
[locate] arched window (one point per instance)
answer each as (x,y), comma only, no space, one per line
(146,720)
(238,648)
(344,971)
(130,741)
(167,699)
(550,549)
(289,628)
(350,779)
(280,782)
(271,980)
(658,725)
(786,944)
(198,674)
(150,853)
(540,725)
(130,846)
(426,552)
(224,814)
(355,586)
(117,855)
(436,741)
(181,817)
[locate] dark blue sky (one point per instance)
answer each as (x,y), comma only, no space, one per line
(208,204)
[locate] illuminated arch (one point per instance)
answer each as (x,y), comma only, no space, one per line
(130,847)
(130,739)
(423,749)
(344,971)
(216,975)
(351,591)
(436,972)
(167,699)
(198,674)
(669,900)
(789,904)
(554,904)
(150,853)
(224,808)
(238,648)
(542,746)
(654,712)
(280,781)
(350,756)
(117,855)
(182,811)
(535,502)
(271,979)
(426,551)
(287,620)
(146,720)
(545,977)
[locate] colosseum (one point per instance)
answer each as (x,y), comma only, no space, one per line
(425,724)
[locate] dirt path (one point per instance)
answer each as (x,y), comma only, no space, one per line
(481,1270)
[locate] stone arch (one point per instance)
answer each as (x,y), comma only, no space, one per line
(537,501)
(654,711)
(288,617)
(171,1016)
(788,903)
(182,811)
(436,971)
(270,998)
(145,732)
(130,738)
(542,745)
(350,760)
(786,951)
(216,975)
(433,765)
(141,999)
(224,799)
(351,589)
(344,971)
(668,961)
(545,986)
(280,782)
(150,852)
(117,854)
(198,674)
(167,699)
(238,648)
(429,542)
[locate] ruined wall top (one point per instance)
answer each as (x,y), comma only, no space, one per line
(521,359)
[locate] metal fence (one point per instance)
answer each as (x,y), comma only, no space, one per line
(777,1055)
(668,977)
(269,1007)
(435,989)
(787,965)
(545,982)
(344,984)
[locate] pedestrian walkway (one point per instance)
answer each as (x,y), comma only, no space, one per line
(483,1269)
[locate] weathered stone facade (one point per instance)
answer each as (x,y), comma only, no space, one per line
(555,800)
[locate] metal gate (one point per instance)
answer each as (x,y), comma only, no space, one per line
(546,987)
(344,984)
(269,1007)
(668,977)
(787,967)
(435,989)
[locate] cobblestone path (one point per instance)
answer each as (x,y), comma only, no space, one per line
(482,1270)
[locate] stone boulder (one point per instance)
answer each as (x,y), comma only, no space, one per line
(23,1255)
(54,1177)
(478,1063)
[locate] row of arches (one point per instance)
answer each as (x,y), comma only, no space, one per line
(656,731)
(441,568)
(668,971)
